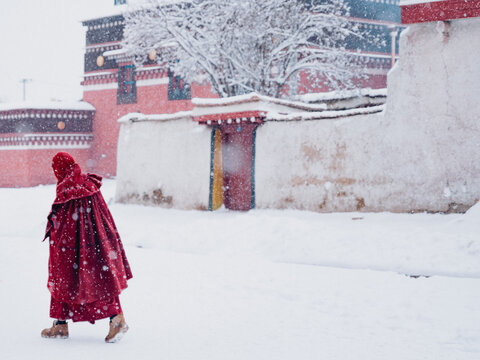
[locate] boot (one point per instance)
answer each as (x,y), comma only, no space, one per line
(118,327)
(59,331)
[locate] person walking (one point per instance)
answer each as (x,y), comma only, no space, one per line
(87,267)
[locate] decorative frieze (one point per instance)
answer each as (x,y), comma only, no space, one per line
(40,120)
(100,78)
(102,47)
(154,72)
(149,76)
(45,141)
(107,25)
(42,114)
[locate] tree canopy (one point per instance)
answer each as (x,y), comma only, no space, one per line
(241,46)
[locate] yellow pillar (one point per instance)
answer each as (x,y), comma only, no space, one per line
(217,191)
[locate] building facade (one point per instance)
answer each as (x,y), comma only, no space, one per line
(418,152)
(115,87)
(31,134)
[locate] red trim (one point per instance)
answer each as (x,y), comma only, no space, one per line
(440,11)
(258,115)
(45,139)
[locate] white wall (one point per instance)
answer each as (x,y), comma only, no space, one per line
(422,153)
(319,165)
(171,158)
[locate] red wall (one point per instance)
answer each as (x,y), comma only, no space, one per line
(22,168)
(440,11)
(370,81)
(150,100)
(30,167)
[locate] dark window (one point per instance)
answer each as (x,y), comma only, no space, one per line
(127,89)
(177,88)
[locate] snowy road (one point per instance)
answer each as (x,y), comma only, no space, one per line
(238,286)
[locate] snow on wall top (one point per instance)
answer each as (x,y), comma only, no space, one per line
(251,97)
(333,101)
(250,102)
(341,95)
(323,115)
(48,105)
(345,103)
(261,101)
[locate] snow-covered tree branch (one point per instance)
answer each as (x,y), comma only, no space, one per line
(245,45)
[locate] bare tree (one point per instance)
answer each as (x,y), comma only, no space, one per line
(242,46)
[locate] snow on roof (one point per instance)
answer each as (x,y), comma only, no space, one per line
(255,98)
(117,54)
(114,52)
(107,11)
(270,115)
(48,105)
(310,103)
(117,10)
(273,109)
(136,117)
(412,2)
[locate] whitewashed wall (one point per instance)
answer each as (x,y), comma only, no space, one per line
(422,153)
(319,165)
(165,163)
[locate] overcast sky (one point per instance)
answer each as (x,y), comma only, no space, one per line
(44,40)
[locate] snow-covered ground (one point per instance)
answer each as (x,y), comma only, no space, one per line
(257,285)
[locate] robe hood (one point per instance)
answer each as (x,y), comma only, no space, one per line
(71,182)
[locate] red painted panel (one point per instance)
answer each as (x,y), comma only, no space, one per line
(23,168)
(305,85)
(237,146)
(440,11)
(372,82)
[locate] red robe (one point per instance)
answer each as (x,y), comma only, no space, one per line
(88,268)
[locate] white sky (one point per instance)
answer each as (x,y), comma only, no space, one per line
(44,40)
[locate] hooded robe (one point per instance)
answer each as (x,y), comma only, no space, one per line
(87,266)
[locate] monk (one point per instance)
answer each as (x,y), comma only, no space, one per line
(87,267)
